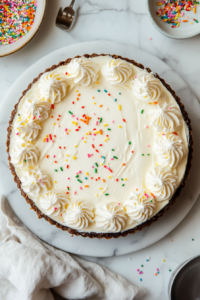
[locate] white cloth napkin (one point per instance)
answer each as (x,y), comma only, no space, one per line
(30,267)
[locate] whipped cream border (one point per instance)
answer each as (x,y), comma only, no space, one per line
(158,99)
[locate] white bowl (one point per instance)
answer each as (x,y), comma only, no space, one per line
(11,48)
(184,31)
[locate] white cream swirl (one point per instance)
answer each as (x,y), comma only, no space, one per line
(117,71)
(53,203)
(28,130)
(170,150)
(82,71)
(24,155)
(167,118)
(110,217)
(162,182)
(52,87)
(79,214)
(146,87)
(140,206)
(35,182)
(36,109)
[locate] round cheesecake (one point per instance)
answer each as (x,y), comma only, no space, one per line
(100,146)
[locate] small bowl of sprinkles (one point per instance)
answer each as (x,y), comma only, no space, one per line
(178,19)
(19,22)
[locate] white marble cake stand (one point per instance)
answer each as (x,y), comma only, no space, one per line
(86,246)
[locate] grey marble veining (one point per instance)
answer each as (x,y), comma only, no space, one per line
(124,22)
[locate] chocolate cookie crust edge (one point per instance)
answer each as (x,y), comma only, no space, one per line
(95,234)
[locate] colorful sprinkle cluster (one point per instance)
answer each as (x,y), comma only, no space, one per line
(16,19)
(155,271)
(140,272)
(171,11)
(79,123)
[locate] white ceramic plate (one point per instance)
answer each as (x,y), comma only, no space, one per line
(184,31)
(11,48)
(87,246)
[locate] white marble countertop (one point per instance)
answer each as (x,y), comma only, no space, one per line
(125,22)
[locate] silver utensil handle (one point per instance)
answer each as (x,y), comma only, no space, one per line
(72,3)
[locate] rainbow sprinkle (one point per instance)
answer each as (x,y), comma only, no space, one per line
(172,10)
(81,123)
(16,19)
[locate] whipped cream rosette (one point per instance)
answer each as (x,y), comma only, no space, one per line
(28,130)
(162,181)
(35,108)
(35,182)
(167,118)
(146,87)
(140,206)
(82,71)
(117,71)
(79,214)
(170,149)
(24,155)
(111,217)
(54,203)
(52,87)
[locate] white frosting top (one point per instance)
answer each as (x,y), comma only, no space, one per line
(82,71)
(97,158)
(146,87)
(117,71)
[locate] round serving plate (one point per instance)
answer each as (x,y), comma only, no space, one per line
(184,31)
(78,244)
(25,39)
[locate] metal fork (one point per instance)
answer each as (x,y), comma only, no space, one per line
(65,18)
